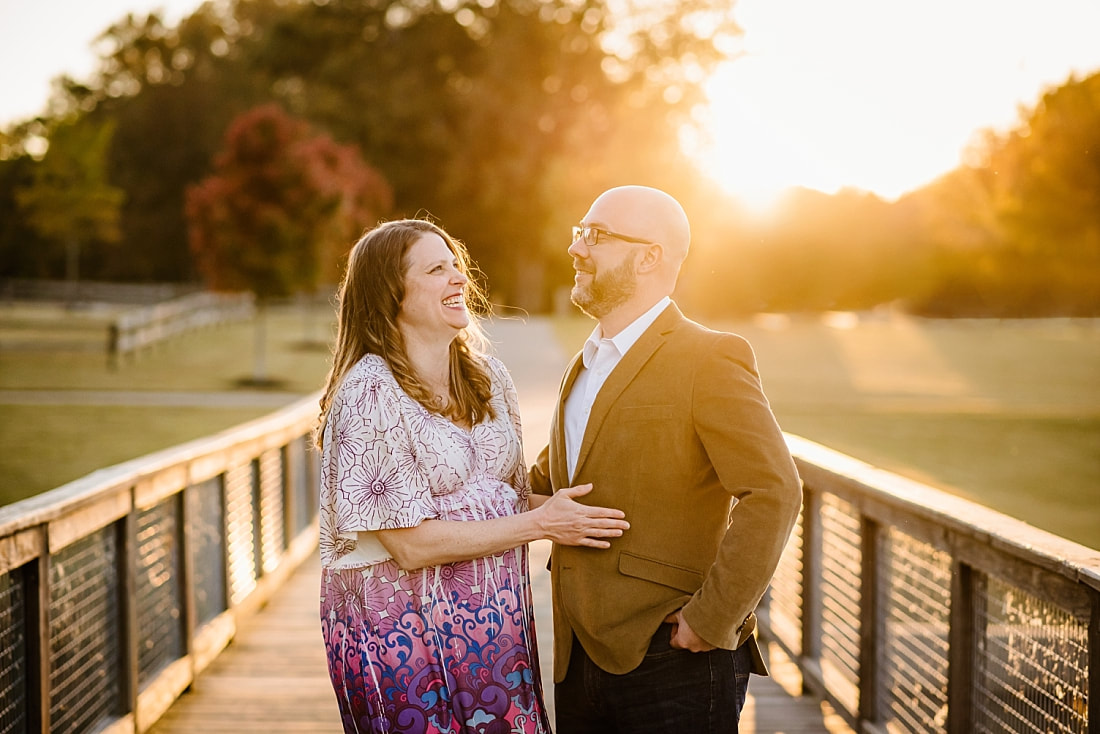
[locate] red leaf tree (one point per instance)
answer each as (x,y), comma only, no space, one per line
(281,207)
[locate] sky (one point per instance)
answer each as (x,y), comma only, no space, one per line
(42,39)
(880,95)
(883,95)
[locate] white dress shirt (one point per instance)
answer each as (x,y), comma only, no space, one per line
(599,357)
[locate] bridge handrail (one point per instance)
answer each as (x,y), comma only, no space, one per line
(117,589)
(912,609)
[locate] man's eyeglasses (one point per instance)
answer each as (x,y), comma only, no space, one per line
(591,236)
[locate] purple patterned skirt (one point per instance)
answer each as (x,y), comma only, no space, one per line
(442,649)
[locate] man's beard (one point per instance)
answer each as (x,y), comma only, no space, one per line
(606,291)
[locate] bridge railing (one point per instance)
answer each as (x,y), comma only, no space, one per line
(910,609)
(913,610)
(117,589)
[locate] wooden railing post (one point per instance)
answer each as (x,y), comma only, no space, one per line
(128,618)
(960,669)
(1094,663)
(870,622)
(187,570)
(38,641)
(812,548)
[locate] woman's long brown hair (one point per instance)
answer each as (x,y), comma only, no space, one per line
(368,302)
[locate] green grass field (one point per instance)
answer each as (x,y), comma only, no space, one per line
(45,446)
(1004,413)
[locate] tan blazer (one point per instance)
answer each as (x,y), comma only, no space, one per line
(679,434)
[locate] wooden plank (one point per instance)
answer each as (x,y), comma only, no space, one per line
(271,677)
(78,524)
(21,548)
(152,489)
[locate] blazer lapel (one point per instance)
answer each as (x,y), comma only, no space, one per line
(624,373)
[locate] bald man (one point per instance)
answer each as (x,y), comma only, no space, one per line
(667,421)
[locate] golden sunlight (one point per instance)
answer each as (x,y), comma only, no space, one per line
(883,97)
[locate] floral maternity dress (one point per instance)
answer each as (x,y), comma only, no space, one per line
(446,648)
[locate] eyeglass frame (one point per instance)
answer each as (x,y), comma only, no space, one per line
(579,234)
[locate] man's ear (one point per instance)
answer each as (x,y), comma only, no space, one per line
(651,258)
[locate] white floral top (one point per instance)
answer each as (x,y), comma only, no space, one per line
(438,649)
(387,462)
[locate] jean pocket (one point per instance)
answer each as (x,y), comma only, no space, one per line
(660,646)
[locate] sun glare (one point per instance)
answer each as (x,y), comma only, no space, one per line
(743,144)
(883,97)
(770,126)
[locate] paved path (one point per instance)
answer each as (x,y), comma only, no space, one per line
(151,398)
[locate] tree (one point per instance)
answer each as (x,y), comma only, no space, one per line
(519,112)
(1017,229)
(1049,200)
(502,119)
(281,202)
(173,92)
(69,200)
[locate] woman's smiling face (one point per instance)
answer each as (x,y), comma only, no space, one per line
(434,306)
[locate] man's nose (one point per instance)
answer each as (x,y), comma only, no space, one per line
(578,249)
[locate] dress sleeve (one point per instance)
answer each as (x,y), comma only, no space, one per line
(374,479)
(502,381)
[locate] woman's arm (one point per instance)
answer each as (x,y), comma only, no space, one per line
(559,518)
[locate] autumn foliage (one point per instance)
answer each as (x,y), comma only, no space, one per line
(282,205)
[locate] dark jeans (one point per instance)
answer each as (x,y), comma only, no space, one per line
(671,692)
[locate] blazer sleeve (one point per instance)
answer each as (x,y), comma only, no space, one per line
(750,457)
(539,475)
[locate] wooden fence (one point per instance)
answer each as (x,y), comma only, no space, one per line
(117,589)
(913,610)
(140,327)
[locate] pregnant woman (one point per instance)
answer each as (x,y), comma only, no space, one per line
(425,597)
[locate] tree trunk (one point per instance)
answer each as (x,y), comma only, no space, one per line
(72,268)
(259,344)
(308,300)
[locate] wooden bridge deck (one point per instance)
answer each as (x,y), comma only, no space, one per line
(272,677)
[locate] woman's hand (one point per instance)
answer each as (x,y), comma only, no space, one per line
(564,520)
(559,518)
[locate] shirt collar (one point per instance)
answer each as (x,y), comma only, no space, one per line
(626,338)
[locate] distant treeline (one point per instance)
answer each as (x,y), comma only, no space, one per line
(249,144)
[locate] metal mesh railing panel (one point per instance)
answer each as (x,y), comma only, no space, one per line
(914,594)
(206,517)
(13,654)
(157,590)
(841,559)
(272,521)
(784,600)
(1030,664)
(240,531)
(85,653)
